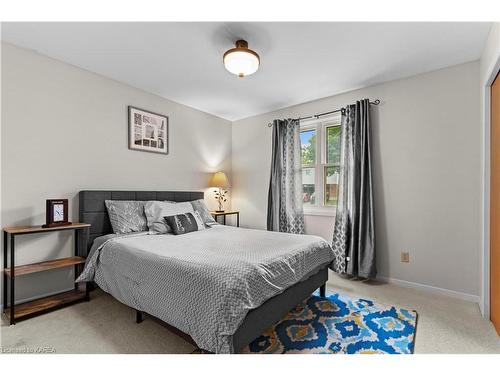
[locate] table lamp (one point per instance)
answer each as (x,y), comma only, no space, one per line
(220,181)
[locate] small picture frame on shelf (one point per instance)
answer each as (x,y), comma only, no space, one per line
(56,213)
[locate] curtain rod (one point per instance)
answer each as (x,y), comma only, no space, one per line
(376,102)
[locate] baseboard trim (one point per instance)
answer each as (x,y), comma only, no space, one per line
(23,300)
(430,288)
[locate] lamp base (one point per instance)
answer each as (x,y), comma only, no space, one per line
(219,211)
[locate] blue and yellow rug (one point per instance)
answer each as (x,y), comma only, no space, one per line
(340,325)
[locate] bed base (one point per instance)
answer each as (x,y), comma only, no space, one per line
(271,311)
(274,309)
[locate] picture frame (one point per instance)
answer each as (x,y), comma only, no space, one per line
(147,131)
(56,213)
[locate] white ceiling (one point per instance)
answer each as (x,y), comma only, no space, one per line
(299,61)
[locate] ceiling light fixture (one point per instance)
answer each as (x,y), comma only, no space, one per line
(241,60)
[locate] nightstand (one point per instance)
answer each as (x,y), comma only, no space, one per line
(216,214)
(37,306)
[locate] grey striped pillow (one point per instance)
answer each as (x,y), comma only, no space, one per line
(200,206)
(127,216)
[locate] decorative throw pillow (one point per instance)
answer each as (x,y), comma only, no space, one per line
(156,211)
(200,206)
(126,216)
(185,223)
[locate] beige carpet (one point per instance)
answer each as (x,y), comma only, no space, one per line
(103,325)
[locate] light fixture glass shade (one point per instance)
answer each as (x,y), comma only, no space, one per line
(219,179)
(241,60)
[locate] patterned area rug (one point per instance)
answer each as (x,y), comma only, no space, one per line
(339,324)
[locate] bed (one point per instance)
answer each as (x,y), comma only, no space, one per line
(222,286)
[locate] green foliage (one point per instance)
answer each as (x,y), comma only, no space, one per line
(309,151)
(333,149)
(333,138)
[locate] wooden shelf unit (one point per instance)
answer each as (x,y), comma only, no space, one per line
(26,229)
(44,266)
(11,272)
(35,307)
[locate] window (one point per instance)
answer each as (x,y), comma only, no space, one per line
(320,147)
(308,149)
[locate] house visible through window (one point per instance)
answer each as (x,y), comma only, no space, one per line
(320,146)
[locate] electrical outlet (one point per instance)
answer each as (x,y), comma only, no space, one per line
(405,257)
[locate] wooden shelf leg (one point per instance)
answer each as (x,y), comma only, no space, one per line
(76,268)
(5,244)
(12,281)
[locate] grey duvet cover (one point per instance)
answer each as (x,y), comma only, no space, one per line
(203,283)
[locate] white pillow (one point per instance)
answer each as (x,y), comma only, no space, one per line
(156,211)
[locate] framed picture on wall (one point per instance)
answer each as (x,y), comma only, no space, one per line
(147,131)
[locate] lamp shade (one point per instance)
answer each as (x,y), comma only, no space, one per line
(219,179)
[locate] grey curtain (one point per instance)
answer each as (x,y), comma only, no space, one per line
(354,235)
(284,205)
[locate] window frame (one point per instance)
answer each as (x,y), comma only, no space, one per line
(320,125)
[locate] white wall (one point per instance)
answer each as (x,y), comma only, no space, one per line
(488,68)
(64,129)
(427,174)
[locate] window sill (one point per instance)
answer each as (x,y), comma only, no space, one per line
(319,211)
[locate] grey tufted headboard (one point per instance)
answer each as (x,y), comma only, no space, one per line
(92,209)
